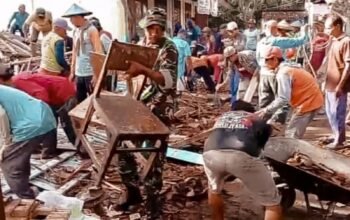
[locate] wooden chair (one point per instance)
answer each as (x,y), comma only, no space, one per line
(125,119)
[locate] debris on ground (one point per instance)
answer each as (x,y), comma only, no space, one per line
(305,163)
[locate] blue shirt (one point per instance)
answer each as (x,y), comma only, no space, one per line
(29,117)
(184,51)
(19,18)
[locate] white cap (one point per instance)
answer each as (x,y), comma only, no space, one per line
(232,26)
(229,51)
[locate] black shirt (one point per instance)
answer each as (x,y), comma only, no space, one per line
(239,130)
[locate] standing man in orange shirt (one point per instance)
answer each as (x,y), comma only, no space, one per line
(337,80)
(297,88)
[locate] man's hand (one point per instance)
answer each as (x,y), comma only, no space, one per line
(261,113)
(135,69)
(338,91)
(219,87)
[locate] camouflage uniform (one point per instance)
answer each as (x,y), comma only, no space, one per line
(162,102)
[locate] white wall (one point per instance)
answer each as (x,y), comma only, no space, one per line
(110,12)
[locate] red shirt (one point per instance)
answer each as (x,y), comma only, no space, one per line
(214,60)
(54,90)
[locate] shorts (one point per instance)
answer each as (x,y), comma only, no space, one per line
(250,170)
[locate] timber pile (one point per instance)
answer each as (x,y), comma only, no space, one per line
(305,163)
(32,209)
(197,113)
(184,188)
(13,47)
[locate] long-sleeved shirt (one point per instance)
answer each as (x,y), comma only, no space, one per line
(282,42)
(298,88)
(19,18)
(59,53)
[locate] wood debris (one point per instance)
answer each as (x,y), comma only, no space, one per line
(305,163)
(14,47)
(197,113)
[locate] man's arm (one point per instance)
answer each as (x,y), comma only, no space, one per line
(11,19)
(59,53)
(284,82)
(95,41)
(346,71)
(286,42)
(5,130)
(27,24)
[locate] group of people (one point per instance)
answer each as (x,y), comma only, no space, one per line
(225,56)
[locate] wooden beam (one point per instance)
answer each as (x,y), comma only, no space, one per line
(183,13)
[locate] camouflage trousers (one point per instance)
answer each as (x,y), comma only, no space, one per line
(153,182)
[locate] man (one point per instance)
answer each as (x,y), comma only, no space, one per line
(184,59)
(233,148)
(202,67)
(235,38)
(208,40)
(337,80)
(296,87)
(193,31)
(284,28)
(53,61)
(86,39)
(161,97)
(267,89)
(252,35)
(105,36)
(31,124)
(40,21)
(58,92)
(19,17)
(241,62)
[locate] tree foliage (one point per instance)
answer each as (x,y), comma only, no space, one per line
(242,10)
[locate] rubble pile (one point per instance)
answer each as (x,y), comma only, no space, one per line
(305,163)
(184,188)
(197,113)
(13,47)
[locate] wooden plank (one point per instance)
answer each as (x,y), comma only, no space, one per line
(195,138)
(253,85)
(183,155)
(91,152)
(73,182)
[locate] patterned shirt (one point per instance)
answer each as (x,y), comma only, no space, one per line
(166,64)
(247,59)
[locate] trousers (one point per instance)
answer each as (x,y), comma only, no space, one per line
(336,114)
(15,162)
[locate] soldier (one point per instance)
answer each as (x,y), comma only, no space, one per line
(160,96)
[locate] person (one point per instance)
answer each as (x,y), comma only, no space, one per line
(252,35)
(337,83)
(214,64)
(296,87)
(184,64)
(319,45)
(267,88)
(19,17)
(86,39)
(219,36)
(105,36)
(193,31)
(53,60)
(31,124)
(284,28)
(56,91)
(177,27)
(235,38)
(161,98)
(208,40)
(200,66)
(233,148)
(40,22)
(240,62)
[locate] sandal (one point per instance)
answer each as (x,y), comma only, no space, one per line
(326,140)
